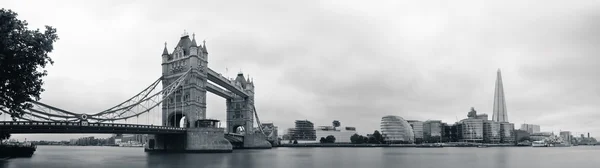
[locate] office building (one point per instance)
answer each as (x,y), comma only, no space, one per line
(531,128)
(491,131)
(506,132)
(396,130)
(341,134)
(432,131)
(304,131)
(451,133)
(417,127)
(565,136)
(500,113)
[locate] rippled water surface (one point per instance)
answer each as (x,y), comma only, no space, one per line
(514,157)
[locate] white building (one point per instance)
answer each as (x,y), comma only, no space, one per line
(341,134)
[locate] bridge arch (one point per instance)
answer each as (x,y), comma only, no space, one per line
(178,119)
(239,129)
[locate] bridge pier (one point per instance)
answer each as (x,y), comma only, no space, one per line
(195,140)
(256,141)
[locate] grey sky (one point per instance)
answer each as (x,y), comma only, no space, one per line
(353,61)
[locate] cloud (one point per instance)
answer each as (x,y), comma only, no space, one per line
(349,61)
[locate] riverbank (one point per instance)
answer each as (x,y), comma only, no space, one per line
(319,145)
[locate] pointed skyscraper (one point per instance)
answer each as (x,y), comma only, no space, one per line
(499,102)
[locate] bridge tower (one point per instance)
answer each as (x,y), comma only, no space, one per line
(188,103)
(189,100)
(241,113)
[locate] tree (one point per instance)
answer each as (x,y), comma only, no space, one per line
(22,53)
(373,140)
(354,138)
(365,139)
(335,123)
(378,137)
(3,136)
(295,141)
(330,139)
(322,140)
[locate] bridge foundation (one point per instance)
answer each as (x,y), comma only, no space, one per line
(256,141)
(195,140)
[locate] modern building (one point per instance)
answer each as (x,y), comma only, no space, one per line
(432,131)
(500,114)
(341,134)
(566,136)
(396,130)
(506,132)
(451,133)
(531,128)
(471,130)
(521,135)
(491,131)
(304,131)
(417,127)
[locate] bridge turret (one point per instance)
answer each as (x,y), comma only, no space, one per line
(165,59)
(194,46)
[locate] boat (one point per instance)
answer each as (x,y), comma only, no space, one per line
(482,146)
(539,144)
(435,145)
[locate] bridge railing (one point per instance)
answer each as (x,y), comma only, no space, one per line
(78,124)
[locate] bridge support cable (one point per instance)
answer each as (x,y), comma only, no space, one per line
(257,119)
(131,101)
(151,101)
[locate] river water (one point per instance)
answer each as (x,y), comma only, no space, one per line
(508,157)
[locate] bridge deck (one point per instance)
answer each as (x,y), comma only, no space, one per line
(76,127)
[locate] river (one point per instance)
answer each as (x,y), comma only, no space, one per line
(508,157)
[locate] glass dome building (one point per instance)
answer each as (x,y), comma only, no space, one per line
(396,130)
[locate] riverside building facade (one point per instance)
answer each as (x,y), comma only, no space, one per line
(396,130)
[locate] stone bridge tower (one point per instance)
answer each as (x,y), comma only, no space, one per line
(189,100)
(240,110)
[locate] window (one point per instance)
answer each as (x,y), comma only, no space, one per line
(186,97)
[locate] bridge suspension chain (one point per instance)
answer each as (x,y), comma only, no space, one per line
(151,101)
(145,100)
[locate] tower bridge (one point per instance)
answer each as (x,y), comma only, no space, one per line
(181,102)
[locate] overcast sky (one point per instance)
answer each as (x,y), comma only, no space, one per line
(353,61)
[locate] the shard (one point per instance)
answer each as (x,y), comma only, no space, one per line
(499,102)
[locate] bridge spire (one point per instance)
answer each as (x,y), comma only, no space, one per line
(194,40)
(204,50)
(165,51)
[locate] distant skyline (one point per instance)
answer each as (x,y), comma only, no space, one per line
(328,60)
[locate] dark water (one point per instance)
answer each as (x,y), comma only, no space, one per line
(525,157)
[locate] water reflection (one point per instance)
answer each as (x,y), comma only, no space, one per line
(92,157)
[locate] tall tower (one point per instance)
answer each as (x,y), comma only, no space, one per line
(499,102)
(240,110)
(189,100)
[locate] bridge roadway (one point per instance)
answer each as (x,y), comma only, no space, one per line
(77,127)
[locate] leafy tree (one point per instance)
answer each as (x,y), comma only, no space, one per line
(378,137)
(330,139)
(295,141)
(323,140)
(372,140)
(22,53)
(3,136)
(335,123)
(354,138)
(365,139)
